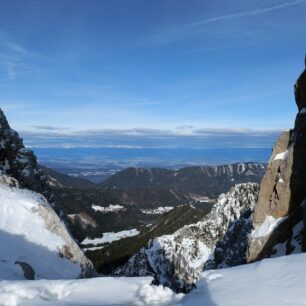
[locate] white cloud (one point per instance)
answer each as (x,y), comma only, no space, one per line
(153,138)
(49,128)
(183,131)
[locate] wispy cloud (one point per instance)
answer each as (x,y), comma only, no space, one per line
(11,70)
(245,13)
(49,128)
(235,132)
(15,47)
(197,28)
(147,132)
(12,56)
(152,138)
(16,59)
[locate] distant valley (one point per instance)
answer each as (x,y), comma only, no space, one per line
(97,164)
(138,203)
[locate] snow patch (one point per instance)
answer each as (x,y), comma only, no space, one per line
(297,237)
(281,156)
(93,248)
(148,295)
(110,237)
(241,168)
(109,209)
(157,211)
(269,225)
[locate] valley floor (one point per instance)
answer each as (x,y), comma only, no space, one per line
(272,282)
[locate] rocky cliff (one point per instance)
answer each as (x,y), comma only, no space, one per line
(16,160)
(280,214)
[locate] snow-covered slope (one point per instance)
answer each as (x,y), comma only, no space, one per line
(270,282)
(178,259)
(34,243)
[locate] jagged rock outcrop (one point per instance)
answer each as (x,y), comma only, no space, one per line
(283,189)
(16,160)
(176,260)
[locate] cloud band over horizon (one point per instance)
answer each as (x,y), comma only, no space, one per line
(151,138)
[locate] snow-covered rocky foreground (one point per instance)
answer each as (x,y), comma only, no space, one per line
(34,243)
(272,282)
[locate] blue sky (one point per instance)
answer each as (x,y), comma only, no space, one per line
(105,71)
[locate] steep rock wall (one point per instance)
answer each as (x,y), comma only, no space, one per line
(283,190)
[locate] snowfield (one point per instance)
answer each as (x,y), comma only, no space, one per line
(272,282)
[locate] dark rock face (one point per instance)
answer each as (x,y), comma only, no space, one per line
(283,188)
(16,160)
(300,90)
(298,177)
